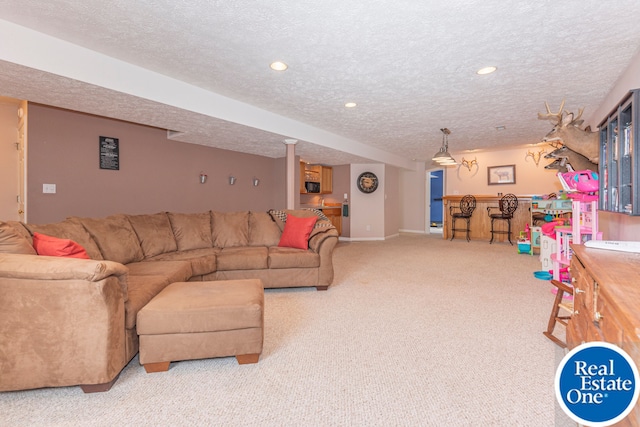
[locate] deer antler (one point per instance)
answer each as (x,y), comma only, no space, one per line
(469,164)
(535,156)
(576,121)
(555,118)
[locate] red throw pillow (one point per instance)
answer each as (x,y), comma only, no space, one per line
(53,246)
(297,231)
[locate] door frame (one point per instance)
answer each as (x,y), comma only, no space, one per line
(427,199)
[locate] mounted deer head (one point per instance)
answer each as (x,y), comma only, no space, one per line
(535,156)
(566,129)
(565,156)
(469,164)
(560,164)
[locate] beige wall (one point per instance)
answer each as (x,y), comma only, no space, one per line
(367,211)
(413,185)
(155,174)
(530,179)
(391,201)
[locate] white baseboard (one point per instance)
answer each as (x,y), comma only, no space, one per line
(402,230)
(361,239)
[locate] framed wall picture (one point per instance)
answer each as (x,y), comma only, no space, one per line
(505,174)
(109,153)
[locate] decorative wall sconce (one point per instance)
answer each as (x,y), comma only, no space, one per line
(469,164)
(535,156)
(256,182)
(203,177)
(232,179)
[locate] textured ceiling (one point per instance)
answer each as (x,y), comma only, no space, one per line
(409,65)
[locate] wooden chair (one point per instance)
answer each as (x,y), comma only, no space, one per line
(555,312)
(462,211)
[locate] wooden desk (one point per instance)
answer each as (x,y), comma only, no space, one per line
(606,301)
(481,223)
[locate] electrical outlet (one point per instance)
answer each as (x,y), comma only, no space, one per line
(368,227)
(49,188)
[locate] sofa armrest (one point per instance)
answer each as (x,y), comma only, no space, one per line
(60,328)
(16,266)
(316,240)
(323,244)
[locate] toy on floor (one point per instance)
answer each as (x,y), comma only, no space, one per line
(548,229)
(524,241)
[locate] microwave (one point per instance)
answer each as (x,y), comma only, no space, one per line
(312,187)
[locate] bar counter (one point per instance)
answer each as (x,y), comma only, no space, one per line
(480,224)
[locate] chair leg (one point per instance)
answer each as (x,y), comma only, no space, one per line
(509,231)
(453,228)
(468,225)
(492,235)
(554,318)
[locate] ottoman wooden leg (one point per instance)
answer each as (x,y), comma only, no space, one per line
(244,359)
(156,367)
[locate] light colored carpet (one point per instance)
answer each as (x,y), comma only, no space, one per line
(415,331)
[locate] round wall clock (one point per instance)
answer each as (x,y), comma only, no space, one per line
(367,182)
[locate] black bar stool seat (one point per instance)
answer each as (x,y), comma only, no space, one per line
(507,206)
(462,211)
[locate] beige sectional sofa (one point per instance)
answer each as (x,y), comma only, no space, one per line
(67,321)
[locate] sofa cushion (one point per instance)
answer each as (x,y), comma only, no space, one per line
(292,258)
(263,230)
(142,289)
(280,216)
(203,261)
(154,233)
(230,229)
(115,238)
(192,231)
(11,242)
(243,258)
(174,271)
(296,232)
(21,229)
(54,246)
(147,279)
(72,229)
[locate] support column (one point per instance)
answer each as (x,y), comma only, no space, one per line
(292,177)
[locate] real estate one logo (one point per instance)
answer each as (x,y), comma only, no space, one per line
(597,384)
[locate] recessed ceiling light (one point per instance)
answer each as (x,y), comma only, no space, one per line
(350,104)
(278,66)
(499,128)
(486,70)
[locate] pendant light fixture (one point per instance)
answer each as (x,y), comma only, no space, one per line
(443,157)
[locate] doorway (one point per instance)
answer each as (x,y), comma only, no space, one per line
(436,191)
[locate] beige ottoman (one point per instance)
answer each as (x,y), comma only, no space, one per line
(199,320)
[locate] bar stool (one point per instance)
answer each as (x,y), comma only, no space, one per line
(507,206)
(463,211)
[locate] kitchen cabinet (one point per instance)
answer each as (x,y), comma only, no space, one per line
(326,180)
(316,173)
(335,216)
